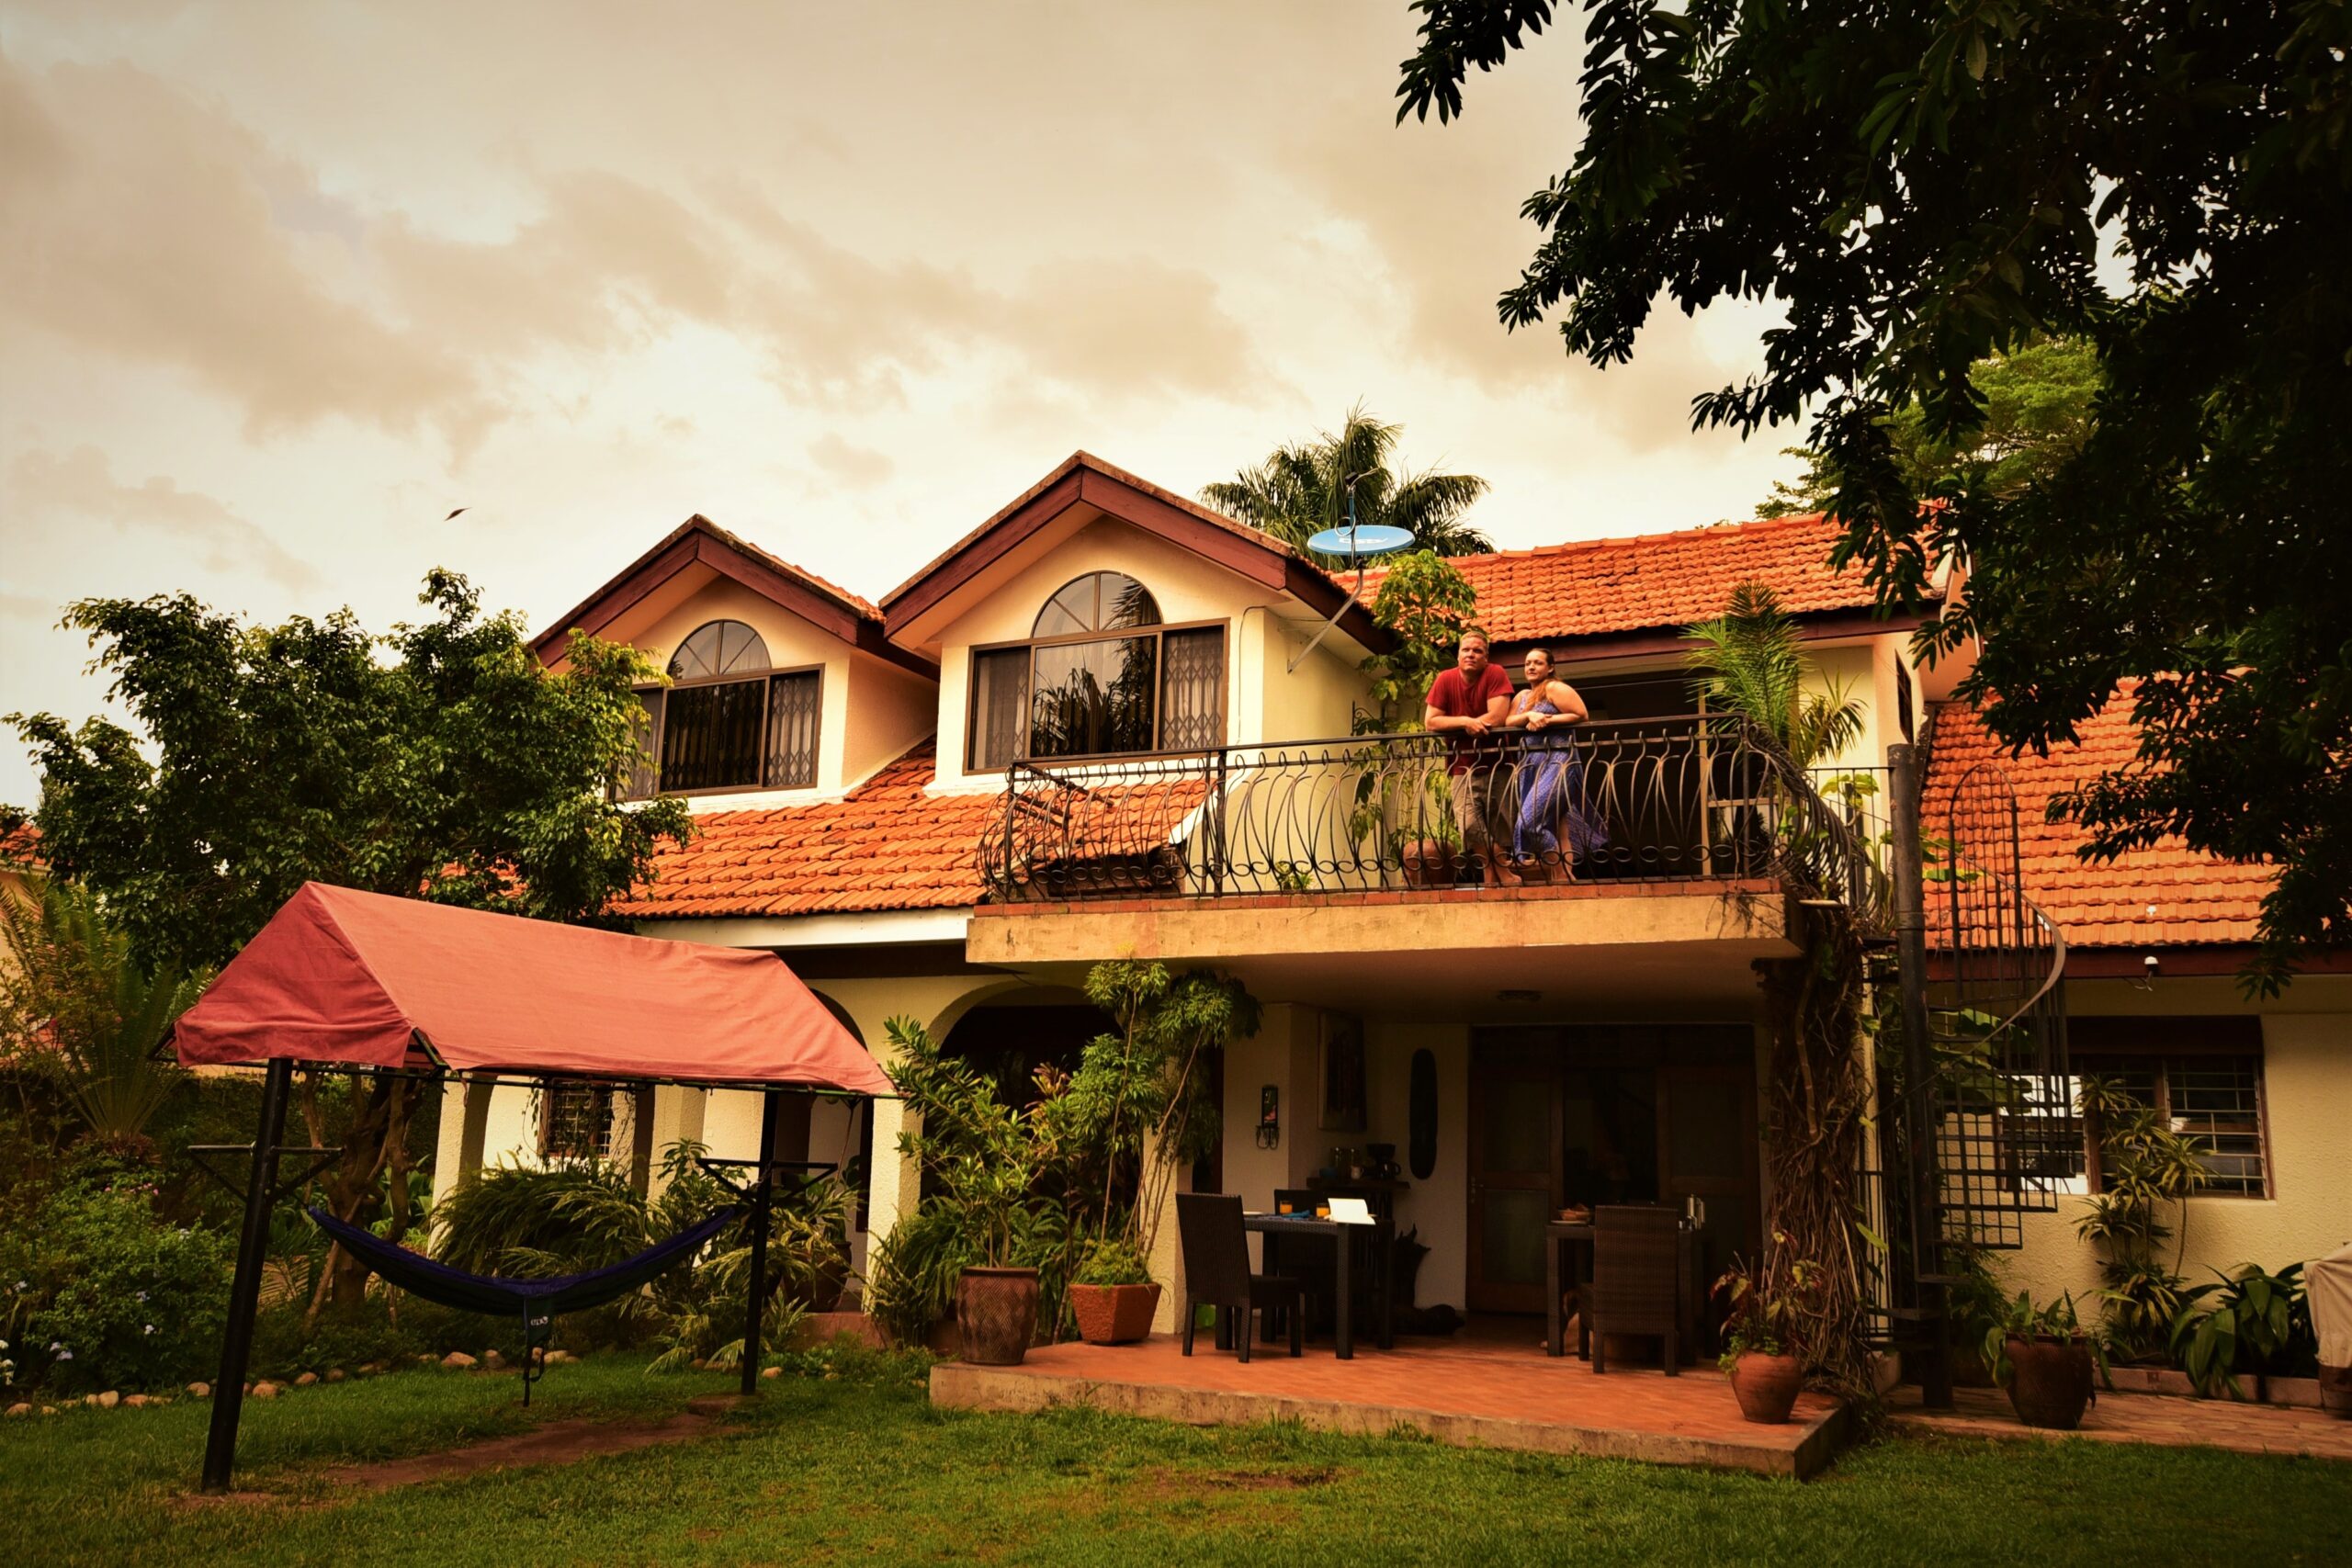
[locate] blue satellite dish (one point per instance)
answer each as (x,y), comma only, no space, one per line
(1370,539)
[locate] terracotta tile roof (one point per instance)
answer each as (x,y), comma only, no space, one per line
(20,848)
(2197,899)
(884,845)
(864,607)
(1648,580)
(889,844)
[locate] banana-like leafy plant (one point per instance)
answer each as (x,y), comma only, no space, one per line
(2252,1321)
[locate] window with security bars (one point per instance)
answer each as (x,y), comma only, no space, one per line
(575,1120)
(1100,677)
(727,721)
(2202,1076)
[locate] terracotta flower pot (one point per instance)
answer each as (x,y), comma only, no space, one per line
(1429,863)
(996,1310)
(1114,1314)
(2335,1391)
(1766,1386)
(2050,1381)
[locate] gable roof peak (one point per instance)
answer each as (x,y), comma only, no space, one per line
(698,540)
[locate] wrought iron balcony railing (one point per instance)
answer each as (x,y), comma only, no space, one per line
(1691,798)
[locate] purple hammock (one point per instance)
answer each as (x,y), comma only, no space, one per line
(535,1301)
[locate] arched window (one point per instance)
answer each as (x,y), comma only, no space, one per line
(1099,676)
(720,647)
(727,721)
(1099,602)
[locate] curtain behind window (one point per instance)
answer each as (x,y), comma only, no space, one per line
(710,736)
(794,708)
(999,689)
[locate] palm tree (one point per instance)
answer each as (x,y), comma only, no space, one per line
(1301,490)
(74,1002)
(1750,662)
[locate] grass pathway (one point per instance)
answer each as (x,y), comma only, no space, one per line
(858,1467)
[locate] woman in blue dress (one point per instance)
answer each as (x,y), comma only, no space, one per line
(1553,830)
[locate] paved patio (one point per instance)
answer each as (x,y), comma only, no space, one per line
(1501,1394)
(2162,1419)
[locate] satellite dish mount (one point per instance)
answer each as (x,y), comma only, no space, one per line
(1360,543)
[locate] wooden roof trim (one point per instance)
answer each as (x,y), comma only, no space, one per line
(699,541)
(1083,478)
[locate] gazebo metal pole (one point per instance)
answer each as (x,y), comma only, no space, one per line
(762,1201)
(244,1292)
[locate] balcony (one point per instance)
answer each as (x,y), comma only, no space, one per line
(1680,810)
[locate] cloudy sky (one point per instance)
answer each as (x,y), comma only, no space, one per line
(283,285)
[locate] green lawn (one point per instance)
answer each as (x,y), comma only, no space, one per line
(859,1468)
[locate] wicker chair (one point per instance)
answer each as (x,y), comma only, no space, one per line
(1636,1280)
(1216,1271)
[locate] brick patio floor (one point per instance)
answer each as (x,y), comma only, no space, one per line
(2147,1418)
(1485,1393)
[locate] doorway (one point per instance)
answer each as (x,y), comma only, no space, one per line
(1606,1113)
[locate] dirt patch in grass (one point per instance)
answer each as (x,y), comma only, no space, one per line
(556,1442)
(1170,1483)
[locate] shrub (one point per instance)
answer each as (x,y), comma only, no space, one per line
(103,1294)
(532,1221)
(2147,1168)
(1114,1263)
(2254,1322)
(700,1311)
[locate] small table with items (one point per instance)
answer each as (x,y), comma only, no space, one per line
(1384,1235)
(1574,1237)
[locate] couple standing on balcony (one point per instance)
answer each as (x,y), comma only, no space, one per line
(1513,764)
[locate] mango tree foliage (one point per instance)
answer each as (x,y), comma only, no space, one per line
(438,762)
(1918,186)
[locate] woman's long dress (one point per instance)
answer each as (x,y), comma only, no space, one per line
(1552,791)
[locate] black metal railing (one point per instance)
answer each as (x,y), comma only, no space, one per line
(2006,1137)
(1690,798)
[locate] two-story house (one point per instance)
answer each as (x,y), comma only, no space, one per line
(1108,723)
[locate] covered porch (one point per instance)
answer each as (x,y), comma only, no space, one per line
(1490,1387)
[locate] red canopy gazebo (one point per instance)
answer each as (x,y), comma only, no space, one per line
(359,981)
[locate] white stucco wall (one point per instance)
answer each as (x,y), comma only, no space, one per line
(1437,1205)
(2307,1093)
(1264,630)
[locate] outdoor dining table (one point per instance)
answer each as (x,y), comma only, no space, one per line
(1574,1237)
(1383,1233)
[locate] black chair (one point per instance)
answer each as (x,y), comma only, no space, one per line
(1216,1271)
(1636,1282)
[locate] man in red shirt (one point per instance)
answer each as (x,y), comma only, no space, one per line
(1467,705)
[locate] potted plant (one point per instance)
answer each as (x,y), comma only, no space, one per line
(2045,1360)
(993,1183)
(1432,856)
(1114,1296)
(1012,1196)
(1759,1332)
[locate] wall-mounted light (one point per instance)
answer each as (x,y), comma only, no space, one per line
(2147,980)
(1270,1117)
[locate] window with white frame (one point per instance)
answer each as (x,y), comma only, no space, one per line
(1100,675)
(728,720)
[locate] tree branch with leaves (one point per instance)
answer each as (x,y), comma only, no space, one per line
(438,760)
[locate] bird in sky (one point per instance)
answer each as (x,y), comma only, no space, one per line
(452,517)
